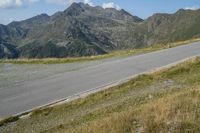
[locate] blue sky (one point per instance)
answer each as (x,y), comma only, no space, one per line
(11,10)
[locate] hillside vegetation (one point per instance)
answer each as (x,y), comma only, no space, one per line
(165,101)
(83,30)
(120,53)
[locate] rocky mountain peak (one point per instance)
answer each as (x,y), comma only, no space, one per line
(83,30)
(75,9)
(42,18)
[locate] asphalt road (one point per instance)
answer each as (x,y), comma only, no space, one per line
(39,92)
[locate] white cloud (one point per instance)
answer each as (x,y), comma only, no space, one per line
(20,3)
(15,3)
(89,2)
(61,2)
(111,5)
(32,1)
(192,8)
(68,2)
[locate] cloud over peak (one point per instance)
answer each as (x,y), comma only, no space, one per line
(10,4)
(88,2)
(111,5)
(192,8)
(68,2)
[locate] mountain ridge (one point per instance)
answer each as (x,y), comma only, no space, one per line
(83,30)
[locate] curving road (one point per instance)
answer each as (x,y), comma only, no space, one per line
(39,92)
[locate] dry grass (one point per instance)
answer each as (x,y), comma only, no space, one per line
(8,120)
(178,112)
(72,59)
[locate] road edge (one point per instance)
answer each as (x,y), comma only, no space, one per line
(84,94)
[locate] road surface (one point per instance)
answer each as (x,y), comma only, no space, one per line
(39,92)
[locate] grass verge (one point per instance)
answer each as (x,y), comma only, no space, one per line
(98,57)
(8,120)
(165,101)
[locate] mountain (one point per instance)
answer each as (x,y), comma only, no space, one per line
(8,51)
(83,30)
(163,28)
(30,23)
(7,36)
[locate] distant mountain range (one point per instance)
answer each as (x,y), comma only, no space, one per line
(83,30)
